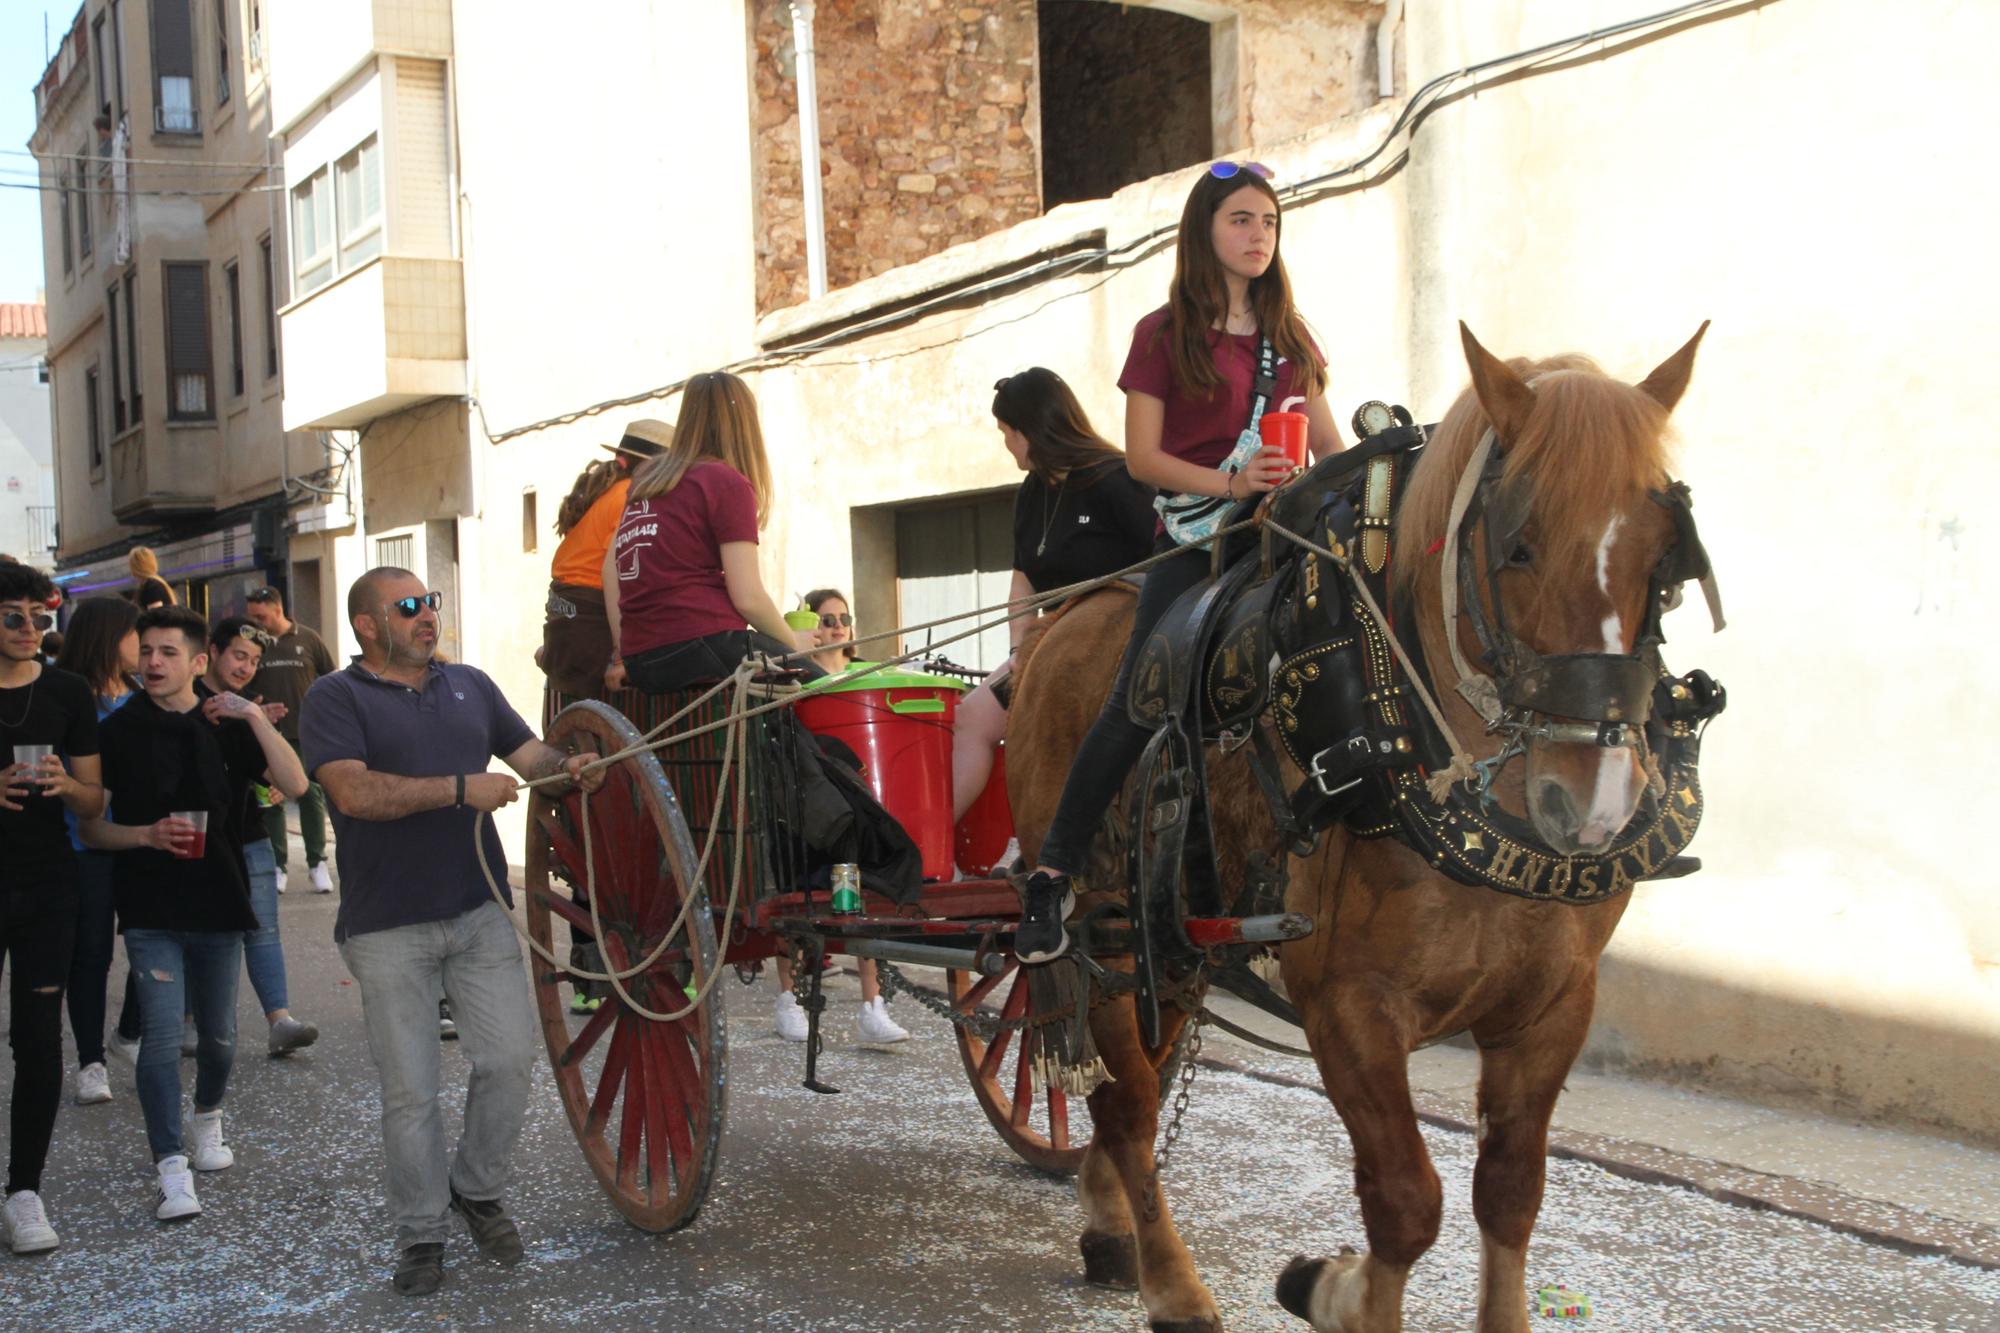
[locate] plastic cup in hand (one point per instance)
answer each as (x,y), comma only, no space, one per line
(1286,432)
(802,620)
(32,756)
(195,847)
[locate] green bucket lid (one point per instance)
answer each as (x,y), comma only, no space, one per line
(889,678)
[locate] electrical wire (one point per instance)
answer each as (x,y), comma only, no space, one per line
(1421,104)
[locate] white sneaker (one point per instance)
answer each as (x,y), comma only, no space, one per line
(92,1085)
(206,1150)
(873,1024)
(791,1020)
(176,1190)
(28,1229)
(1010,858)
(121,1049)
(322,882)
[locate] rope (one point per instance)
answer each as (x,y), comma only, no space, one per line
(1474,686)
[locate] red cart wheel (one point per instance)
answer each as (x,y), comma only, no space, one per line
(1034,1123)
(644,1096)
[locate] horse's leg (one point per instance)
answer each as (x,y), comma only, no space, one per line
(1519,1081)
(1110,1255)
(1126,1113)
(1366,1072)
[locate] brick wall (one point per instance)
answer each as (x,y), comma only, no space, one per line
(925,130)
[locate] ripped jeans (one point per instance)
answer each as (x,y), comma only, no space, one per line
(183,972)
(37,926)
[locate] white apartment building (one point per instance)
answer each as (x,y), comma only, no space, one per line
(27,473)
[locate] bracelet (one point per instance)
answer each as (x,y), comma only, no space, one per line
(1229,485)
(458,801)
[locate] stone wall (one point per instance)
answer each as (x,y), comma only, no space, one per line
(924,109)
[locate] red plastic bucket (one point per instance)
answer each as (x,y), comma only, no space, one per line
(899,724)
(988,823)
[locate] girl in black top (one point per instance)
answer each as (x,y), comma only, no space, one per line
(1079,515)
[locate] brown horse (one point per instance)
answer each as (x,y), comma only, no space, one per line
(1401,955)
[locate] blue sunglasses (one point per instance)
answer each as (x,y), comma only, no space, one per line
(1223,171)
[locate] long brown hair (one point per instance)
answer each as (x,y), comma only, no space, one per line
(591,484)
(1198,302)
(97,625)
(1061,441)
(718,419)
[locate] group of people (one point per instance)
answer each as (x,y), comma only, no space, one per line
(655,587)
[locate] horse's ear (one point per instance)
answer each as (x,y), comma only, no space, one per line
(1669,379)
(1506,399)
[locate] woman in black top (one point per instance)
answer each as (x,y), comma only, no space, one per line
(1078,515)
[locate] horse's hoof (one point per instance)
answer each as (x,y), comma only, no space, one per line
(1296,1283)
(1205,1324)
(1110,1260)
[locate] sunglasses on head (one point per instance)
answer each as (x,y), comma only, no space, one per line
(20,620)
(829,620)
(261,638)
(265,594)
(1223,171)
(409,607)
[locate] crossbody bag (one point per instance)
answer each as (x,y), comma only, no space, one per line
(1194,518)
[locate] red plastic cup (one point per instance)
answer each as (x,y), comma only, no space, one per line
(1286,432)
(196,846)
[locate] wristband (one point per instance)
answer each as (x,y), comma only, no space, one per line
(458,801)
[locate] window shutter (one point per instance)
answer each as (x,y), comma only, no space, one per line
(188,364)
(173,40)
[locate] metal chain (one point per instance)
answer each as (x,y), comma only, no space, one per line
(983,1026)
(1190,1058)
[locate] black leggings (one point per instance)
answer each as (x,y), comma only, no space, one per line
(37,931)
(706,660)
(1115,741)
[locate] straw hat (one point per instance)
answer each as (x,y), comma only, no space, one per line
(644,438)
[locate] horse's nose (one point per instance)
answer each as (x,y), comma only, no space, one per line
(1556,809)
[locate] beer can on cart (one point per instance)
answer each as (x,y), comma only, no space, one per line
(846,889)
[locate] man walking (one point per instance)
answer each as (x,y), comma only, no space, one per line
(47,717)
(401,743)
(295,659)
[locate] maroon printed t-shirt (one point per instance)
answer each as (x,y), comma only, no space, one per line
(1200,430)
(668,553)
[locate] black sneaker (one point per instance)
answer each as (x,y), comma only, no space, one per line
(1048,899)
(420,1269)
(494,1231)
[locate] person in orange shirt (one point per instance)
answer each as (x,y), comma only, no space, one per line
(576,637)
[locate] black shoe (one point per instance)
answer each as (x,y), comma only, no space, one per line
(492,1229)
(1040,938)
(420,1270)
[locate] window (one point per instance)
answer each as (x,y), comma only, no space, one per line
(118,56)
(173,69)
(93,426)
(359,176)
(83,202)
(312,232)
(190,381)
(137,399)
(398,552)
(270,309)
(117,383)
(529,535)
(233,284)
(221,52)
(62,210)
(97,61)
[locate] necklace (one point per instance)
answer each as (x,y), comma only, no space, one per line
(1050,509)
(26,707)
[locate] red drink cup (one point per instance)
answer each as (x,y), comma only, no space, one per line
(1286,432)
(195,847)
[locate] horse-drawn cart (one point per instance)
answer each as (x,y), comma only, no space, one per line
(682,869)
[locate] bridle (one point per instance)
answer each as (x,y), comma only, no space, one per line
(1602,699)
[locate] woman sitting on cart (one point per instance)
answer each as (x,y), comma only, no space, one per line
(1078,515)
(681,585)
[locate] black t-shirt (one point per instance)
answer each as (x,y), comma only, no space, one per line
(156,763)
(53,709)
(1079,531)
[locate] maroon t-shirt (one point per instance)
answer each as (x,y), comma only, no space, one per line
(1200,430)
(669,558)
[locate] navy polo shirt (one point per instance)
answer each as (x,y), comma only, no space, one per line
(400,872)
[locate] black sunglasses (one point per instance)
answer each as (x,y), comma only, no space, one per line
(408,607)
(1223,171)
(264,594)
(828,620)
(21,620)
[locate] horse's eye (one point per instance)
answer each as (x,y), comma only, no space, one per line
(1520,557)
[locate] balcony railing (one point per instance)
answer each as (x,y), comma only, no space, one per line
(41,527)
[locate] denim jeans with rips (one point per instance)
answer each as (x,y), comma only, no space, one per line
(475,960)
(183,972)
(263,950)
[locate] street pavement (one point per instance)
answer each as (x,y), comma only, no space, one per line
(890,1207)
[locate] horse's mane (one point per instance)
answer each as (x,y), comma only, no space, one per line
(1592,446)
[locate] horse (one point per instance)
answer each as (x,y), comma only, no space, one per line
(1400,954)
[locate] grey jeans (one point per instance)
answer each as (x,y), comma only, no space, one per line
(476,960)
